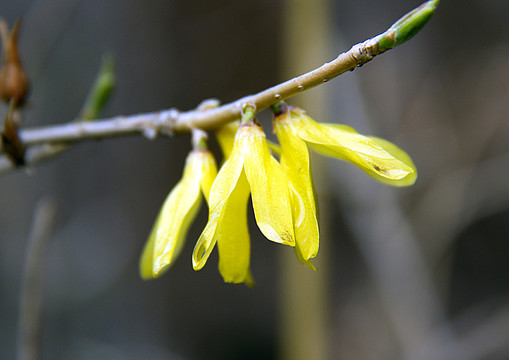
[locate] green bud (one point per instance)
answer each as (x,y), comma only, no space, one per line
(100,91)
(409,25)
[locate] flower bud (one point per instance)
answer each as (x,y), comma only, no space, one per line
(13,79)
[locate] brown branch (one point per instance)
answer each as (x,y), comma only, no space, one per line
(172,121)
(169,122)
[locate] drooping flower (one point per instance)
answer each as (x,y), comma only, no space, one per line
(296,164)
(178,211)
(235,228)
(296,131)
(380,159)
(249,169)
(282,193)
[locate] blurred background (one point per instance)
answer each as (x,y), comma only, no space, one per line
(407,273)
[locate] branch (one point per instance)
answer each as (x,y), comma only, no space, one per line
(172,121)
(98,95)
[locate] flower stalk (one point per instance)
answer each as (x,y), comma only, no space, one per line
(171,121)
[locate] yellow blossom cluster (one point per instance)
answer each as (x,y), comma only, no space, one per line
(281,191)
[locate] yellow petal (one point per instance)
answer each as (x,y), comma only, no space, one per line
(178,211)
(249,281)
(233,236)
(165,219)
(381,160)
(221,190)
(226,137)
(274,148)
(269,187)
(308,262)
(147,255)
(208,172)
(296,165)
(401,155)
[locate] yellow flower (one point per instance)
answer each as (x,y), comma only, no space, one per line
(178,212)
(295,130)
(296,164)
(380,159)
(282,193)
(249,169)
(226,137)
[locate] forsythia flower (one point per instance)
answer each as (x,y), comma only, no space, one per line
(379,158)
(237,231)
(296,131)
(296,164)
(249,169)
(179,210)
(282,193)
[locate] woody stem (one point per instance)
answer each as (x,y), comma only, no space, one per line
(172,121)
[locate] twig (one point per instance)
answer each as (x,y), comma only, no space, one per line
(97,97)
(34,155)
(172,121)
(169,122)
(31,293)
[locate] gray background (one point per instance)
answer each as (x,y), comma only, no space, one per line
(442,97)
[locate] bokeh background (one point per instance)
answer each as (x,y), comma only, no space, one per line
(413,273)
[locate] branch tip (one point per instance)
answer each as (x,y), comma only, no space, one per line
(409,25)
